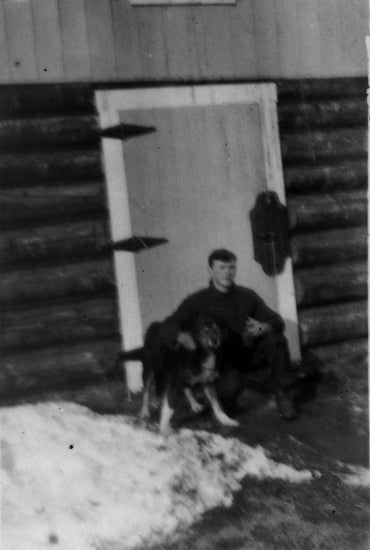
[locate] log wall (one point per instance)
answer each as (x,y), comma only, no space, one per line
(324,148)
(94,40)
(59,322)
(59,316)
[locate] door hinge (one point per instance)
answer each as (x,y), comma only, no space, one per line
(136,244)
(126,131)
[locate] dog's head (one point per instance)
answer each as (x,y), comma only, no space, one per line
(208,333)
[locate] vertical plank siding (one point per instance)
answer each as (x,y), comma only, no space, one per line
(100,39)
(48,40)
(4,53)
(152,42)
(111,40)
(76,57)
(355,26)
(288,37)
(312,38)
(21,40)
(126,27)
(215,41)
(181,37)
(331,28)
(243,44)
(266,38)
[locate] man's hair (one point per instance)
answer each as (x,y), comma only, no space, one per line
(221,255)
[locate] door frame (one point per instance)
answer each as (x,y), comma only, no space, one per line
(110,103)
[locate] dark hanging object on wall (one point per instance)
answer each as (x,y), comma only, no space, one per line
(136,244)
(126,131)
(270,229)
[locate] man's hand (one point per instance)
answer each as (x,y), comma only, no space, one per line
(255,328)
(186,340)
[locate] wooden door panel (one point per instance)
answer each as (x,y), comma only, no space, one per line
(194,182)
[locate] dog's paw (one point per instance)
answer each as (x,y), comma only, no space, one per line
(144,415)
(227,421)
(165,431)
(197,407)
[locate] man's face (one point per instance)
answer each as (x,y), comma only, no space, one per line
(223,274)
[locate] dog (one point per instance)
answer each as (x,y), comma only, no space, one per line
(177,371)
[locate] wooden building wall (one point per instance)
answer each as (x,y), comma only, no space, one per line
(95,40)
(59,326)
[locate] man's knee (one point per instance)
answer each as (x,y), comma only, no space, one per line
(228,386)
(273,352)
(275,342)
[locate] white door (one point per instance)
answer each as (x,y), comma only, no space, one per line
(193,182)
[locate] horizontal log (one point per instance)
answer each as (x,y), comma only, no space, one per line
(48,131)
(51,242)
(69,164)
(345,175)
(320,88)
(39,204)
(30,100)
(58,281)
(319,325)
(324,144)
(56,367)
(336,283)
(91,319)
(325,211)
(327,247)
(24,99)
(308,115)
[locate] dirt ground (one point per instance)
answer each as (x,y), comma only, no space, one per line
(330,435)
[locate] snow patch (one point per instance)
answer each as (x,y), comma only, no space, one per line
(360,476)
(75,480)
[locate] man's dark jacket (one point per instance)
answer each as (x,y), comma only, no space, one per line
(232,307)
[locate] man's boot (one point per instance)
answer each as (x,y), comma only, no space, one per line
(286,406)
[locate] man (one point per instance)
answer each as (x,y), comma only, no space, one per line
(256,331)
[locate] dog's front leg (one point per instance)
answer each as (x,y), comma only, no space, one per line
(194,405)
(166,415)
(216,407)
(145,412)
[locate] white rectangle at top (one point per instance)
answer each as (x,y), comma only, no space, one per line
(178,2)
